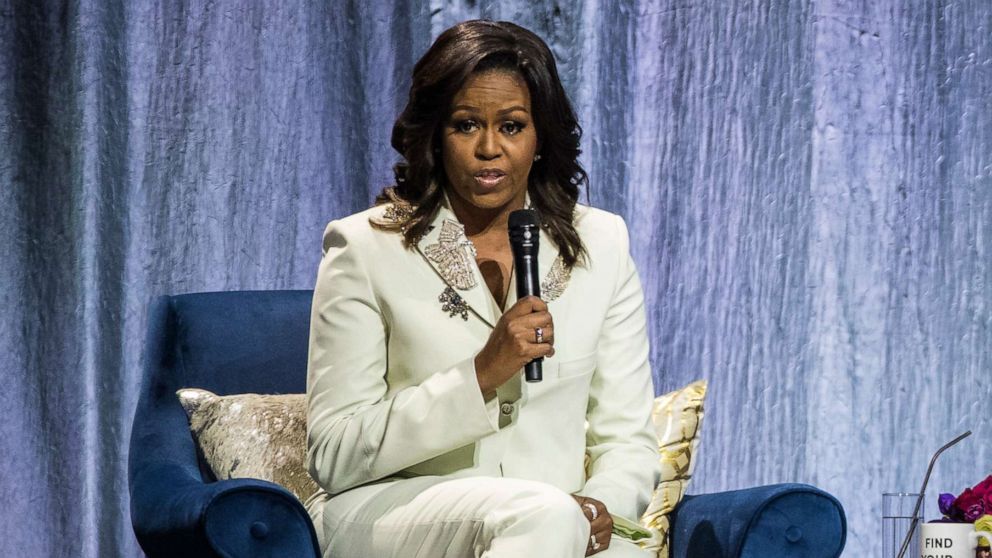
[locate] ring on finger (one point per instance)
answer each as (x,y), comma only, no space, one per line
(594,543)
(592,510)
(539,335)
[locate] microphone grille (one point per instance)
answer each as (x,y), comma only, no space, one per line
(523,218)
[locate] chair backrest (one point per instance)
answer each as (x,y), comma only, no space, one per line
(236,342)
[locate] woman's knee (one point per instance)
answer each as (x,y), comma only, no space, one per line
(561,506)
(541,506)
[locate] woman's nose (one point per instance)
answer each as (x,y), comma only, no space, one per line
(487,146)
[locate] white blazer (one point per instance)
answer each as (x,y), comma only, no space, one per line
(391,386)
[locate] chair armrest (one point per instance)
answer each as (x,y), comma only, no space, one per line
(173,511)
(782,520)
(175,515)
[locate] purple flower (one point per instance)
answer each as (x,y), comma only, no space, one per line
(944,502)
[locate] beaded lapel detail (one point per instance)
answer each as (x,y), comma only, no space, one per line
(454,255)
(556,280)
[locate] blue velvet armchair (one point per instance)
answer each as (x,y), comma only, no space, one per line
(256,341)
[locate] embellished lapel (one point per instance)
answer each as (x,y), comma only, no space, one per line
(452,255)
(551,268)
(446,248)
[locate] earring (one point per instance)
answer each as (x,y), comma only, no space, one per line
(537,157)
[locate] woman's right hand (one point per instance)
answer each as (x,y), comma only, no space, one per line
(513,343)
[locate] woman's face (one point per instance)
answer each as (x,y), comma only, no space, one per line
(489,140)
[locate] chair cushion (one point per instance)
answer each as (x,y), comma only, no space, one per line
(252,436)
(677,417)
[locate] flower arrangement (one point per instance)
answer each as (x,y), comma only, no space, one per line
(968,506)
(974,505)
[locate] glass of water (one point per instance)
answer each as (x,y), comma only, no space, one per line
(897,516)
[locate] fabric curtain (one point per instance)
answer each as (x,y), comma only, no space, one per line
(808,187)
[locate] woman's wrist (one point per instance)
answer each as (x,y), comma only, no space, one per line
(485,386)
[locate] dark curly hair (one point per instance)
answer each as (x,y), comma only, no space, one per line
(479,46)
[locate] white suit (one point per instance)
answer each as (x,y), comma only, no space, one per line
(392,390)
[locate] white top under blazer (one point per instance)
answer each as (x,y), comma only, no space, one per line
(392,389)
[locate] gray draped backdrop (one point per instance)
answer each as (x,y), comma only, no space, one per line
(808,186)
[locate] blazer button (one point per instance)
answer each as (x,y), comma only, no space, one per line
(506,409)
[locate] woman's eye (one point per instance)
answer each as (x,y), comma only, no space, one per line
(466,126)
(512,128)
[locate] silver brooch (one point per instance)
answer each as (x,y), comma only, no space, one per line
(453,255)
(556,280)
(453,303)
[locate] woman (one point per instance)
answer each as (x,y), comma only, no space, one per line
(421,433)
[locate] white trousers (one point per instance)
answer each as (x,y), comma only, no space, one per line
(438,517)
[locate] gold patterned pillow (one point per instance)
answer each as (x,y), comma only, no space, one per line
(252,436)
(677,417)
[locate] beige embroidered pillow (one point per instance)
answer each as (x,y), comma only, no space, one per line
(252,436)
(677,417)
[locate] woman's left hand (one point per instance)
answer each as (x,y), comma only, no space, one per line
(600,524)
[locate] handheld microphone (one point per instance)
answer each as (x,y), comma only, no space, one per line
(525,228)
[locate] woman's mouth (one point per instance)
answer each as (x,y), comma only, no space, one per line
(489,178)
